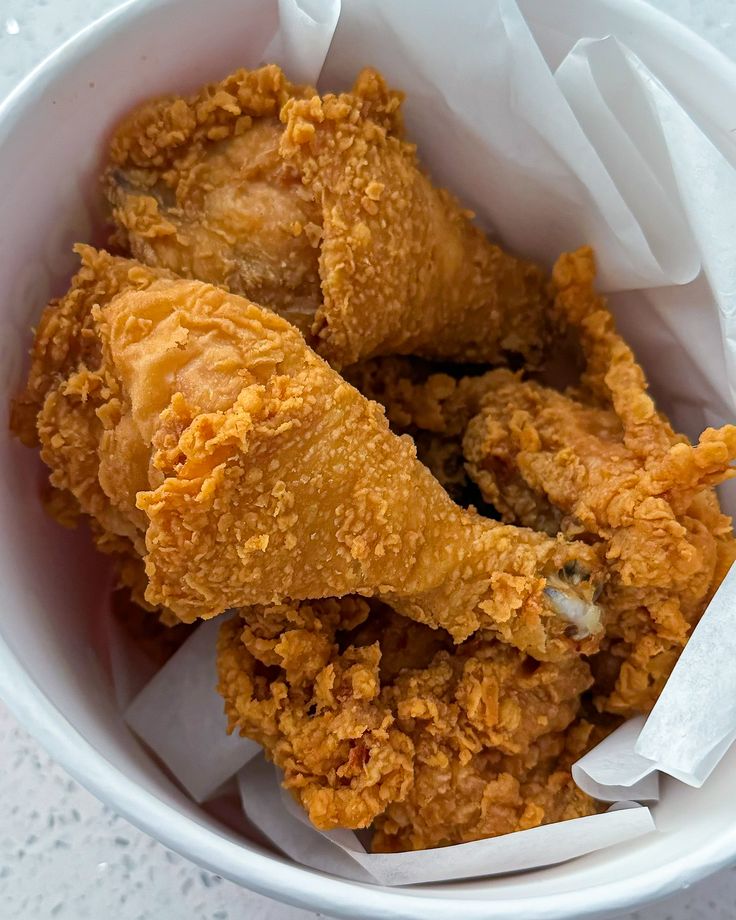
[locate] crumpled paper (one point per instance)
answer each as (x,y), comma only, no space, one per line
(558,133)
(179,715)
(614,772)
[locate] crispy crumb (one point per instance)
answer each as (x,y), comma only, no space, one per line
(601,464)
(455,744)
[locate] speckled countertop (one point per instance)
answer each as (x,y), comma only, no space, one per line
(62,853)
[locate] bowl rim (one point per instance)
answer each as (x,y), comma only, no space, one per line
(269,875)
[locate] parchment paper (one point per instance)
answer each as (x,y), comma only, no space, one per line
(180,716)
(614,772)
(131,669)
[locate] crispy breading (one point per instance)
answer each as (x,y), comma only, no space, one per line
(424,748)
(327,219)
(601,464)
(243,469)
(416,395)
(197,185)
(403,269)
(315,709)
(457,800)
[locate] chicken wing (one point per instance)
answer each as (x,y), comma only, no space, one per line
(601,464)
(200,429)
(327,219)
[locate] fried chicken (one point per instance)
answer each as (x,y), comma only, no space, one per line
(200,430)
(601,464)
(327,219)
(198,186)
(418,396)
(432,406)
(375,719)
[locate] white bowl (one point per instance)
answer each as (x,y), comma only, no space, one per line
(52,132)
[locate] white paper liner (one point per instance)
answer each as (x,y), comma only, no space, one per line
(555,141)
(303,38)
(706,181)
(611,105)
(341,853)
(614,772)
(131,669)
(692,724)
(179,714)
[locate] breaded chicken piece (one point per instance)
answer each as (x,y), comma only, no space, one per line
(200,428)
(425,744)
(457,800)
(198,186)
(432,406)
(602,465)
(418,396)
(327,219)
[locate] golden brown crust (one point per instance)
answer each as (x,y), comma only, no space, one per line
(457,800)
(601,464)
(403,268)
(315,709)
(156,134)
(197,186)
(73,408)
(425,748)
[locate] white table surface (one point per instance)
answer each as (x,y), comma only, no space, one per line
(62,853)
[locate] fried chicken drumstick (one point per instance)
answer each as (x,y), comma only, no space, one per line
(201,430)
(198,186)
(378,720)
(316,207)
